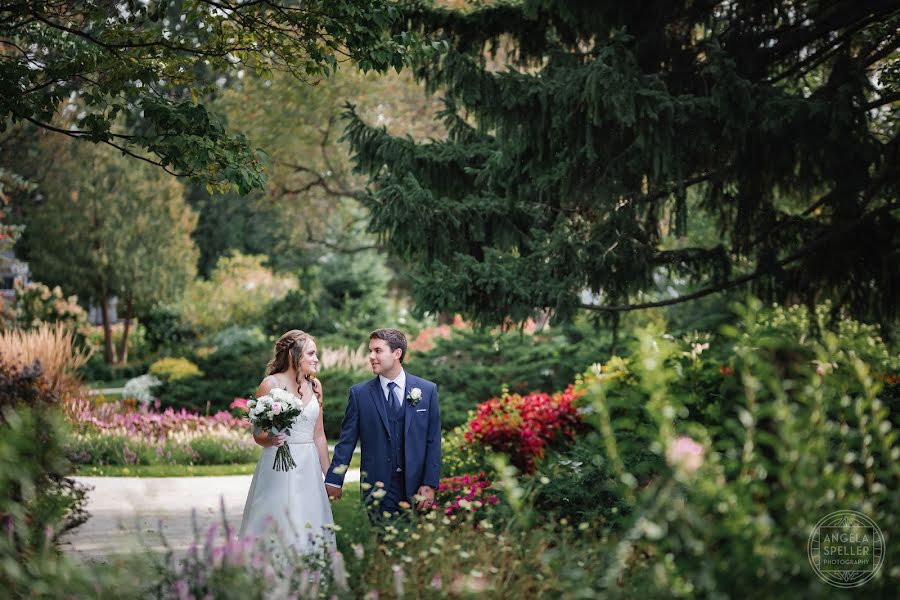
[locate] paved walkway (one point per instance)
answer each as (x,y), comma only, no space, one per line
(121,508)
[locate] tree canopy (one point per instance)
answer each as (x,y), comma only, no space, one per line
(106,227)
(590,143)
(130,74)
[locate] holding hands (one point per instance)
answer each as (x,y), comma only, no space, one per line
(425,497)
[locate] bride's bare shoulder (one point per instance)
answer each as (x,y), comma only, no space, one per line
(266,385)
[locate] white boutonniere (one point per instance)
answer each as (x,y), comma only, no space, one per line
(414,396)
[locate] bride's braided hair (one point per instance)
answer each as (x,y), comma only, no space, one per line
(288,352)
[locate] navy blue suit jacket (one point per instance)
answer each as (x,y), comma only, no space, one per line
(365,420)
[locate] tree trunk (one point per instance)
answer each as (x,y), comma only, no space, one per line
(107,330)
(123,345)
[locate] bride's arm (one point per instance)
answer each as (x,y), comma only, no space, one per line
(319,437)
(260,436)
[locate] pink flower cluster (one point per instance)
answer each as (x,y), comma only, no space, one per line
(462,493)
(426,338)
(685,454)
(521,426)
(146,422)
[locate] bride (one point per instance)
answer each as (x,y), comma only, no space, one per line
(293,505)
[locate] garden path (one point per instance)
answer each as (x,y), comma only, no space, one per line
(123,509)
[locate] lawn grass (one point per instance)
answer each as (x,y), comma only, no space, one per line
(164,470)
(102,385)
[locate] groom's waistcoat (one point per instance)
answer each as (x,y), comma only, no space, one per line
(398,446)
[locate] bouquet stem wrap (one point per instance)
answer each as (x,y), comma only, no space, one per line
(284,460)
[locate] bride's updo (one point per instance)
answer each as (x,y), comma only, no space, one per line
(288,352)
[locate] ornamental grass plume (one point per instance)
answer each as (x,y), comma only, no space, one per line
(345,358)
(51,345)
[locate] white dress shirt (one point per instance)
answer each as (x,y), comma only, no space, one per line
(400,380)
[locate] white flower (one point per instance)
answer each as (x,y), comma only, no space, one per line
(281,395)
(276,408)
(141,388)
(414,396)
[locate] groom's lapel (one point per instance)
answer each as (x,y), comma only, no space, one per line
(378,399)
(409,412)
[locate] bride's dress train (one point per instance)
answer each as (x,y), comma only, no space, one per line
(291,505)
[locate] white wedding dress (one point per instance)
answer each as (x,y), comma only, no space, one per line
(291,506)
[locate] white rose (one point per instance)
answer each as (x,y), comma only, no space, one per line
(281,395)
(415,394)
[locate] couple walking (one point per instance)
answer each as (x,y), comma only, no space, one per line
(394,417)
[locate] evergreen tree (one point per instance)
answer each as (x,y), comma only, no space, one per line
(588,140)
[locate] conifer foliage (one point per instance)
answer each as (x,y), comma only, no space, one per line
(596,149)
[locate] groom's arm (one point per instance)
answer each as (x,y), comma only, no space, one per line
(432,476)
(346,444)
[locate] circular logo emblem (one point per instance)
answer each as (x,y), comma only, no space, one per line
(846,549)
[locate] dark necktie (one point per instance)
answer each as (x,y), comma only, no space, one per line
(393,401)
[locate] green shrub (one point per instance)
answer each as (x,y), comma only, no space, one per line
(165,331)
(459,457)
(96,369)
(173,369)
(233,370)
(297,310)
(579,482)
(236,293)
(38,501)
(213,450)
(471,367)
(111,448)
(796,431)
(336,385)
(342,301)
(36,303)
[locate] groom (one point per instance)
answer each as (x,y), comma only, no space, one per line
(396,417)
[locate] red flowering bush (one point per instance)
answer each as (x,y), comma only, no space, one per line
(465,492)
(522,426)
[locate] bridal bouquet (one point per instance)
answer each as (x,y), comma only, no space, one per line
(276,410)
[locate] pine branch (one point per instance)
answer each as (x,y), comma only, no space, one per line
(757,274)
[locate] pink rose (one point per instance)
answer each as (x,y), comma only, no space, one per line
(685,453)
(276,408)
